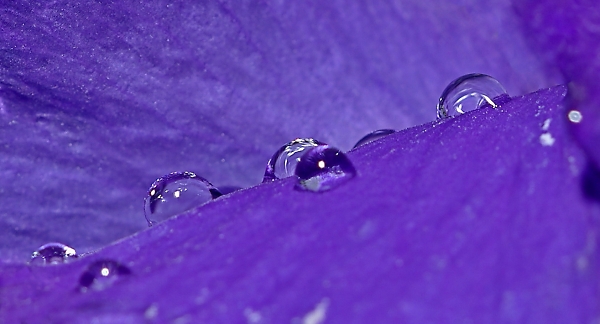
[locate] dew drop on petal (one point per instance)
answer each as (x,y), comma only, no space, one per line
(374,136)
(284,161)
(575,116)
(102,274)
(53,253)
(323,168)
(175,193)
(470,92)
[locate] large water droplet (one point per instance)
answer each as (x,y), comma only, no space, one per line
(284,161)
(102,274)
(53,253)
(323,168)
(374,136)
(470,92)
(175,193)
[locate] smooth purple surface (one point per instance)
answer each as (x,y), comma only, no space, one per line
(510,238)
(98,99)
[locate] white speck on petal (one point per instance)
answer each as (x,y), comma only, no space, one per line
(317,315)
(546,124)
(151,312)
(252,316)
(546,139)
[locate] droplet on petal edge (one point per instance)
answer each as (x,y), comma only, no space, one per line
(175,193)
(323,168)
(283,163)
(470,92)
(53,253)
(102,274)
(373,136)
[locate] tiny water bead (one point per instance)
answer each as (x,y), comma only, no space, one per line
(284,161)
(175,193)
(374,136)
(53,253)
(323,168)
(470,92)
(575,116)
(102,274)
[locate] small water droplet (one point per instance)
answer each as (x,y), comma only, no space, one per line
(102,274)
(470,92)
(284,161)
(53,253)
(575,116)
(373,136)
(175,193)
(323,168)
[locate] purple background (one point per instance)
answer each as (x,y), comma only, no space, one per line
(473,220)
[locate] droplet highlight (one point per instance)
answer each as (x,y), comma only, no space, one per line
(575,116)
(175,193)
(284,161)
(470,92)
(371,137)
(323,168)
(102,274)
(53,253)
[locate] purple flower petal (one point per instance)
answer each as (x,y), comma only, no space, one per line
(480,218)
(477,219)
(568,35)
(100,99)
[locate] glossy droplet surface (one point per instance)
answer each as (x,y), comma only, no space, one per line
(53,253)
(374,136)
(284,161)
(102,274)
(323,168)
(575,116)
(175,193)
(470,92)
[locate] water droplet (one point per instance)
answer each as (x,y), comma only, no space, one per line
(175,193)
(284,161)
(575,116)
(323,168)
(374,136)
(53,253)
(470,92)
(102,274)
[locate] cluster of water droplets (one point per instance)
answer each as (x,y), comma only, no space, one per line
(317,167)
(97,276)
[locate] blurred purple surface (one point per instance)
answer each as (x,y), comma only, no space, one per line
(478,219)
(567,34)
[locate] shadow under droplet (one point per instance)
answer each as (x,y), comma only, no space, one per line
(228,189)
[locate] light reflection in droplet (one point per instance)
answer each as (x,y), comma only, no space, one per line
(470,92)
(283,163)
(575,116)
